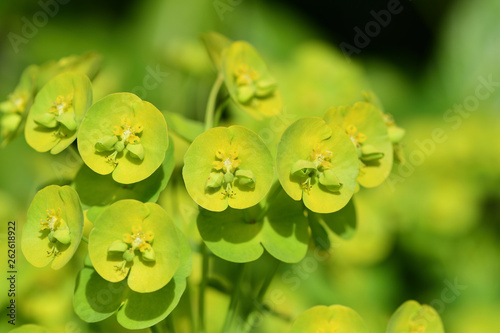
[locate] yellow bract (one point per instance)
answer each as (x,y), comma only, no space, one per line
(53,220)
(228,163)
(321,158)
(245,75)
(126,132)
(139,239)
(356,137)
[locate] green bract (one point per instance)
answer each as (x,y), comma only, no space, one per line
(242,235)
(125,136)
(30,328)
(57,111)
(228,167)
(88,64)
(335,318)
(366,128)
(411,317)
(215,44)
(19,101)
(317,163)
(99,191)
(97,299)
(248,81)
(54,227)
(135,239)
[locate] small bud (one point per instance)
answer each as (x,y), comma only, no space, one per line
(302,168)
(370,153)
(119,146)
(214,180)
(106,143)
(265,87)
(246,178)
(228,178)
(63,236)
(68,120)
(118,246)
(149,255)
(136,150)
(129,255)
(395,133)
(46,120)
(245,93)
(329,180)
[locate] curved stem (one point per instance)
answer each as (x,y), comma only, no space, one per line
(203,284)
(85,239)
(212,99)
(218,112)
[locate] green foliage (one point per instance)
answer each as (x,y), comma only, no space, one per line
(412,317)
(335,318)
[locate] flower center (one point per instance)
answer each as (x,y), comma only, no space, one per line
(61,105)
(228,162)
(52,221)
(321,158)
(126,132)
(356,136)
(245,75)
(138,239)
(18,101)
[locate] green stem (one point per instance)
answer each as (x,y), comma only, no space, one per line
(187,294)
(170,324)
(231,312)
(218,112)
(85,239)
(203,284)
(156,328)
(249,319)
(212,99)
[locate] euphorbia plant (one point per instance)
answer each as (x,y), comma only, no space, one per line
(251,205)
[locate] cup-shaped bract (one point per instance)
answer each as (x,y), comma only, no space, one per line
(137,241)
(133,310)
(57,111)
(249,82)
(125,136)
(215,44)
(367,130)
(228,167)
(54,227)
(335,318)
(318,164)
(18,102)
(412,317)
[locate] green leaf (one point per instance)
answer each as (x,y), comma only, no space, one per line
(253,155)
(238,235)
(335,318)
(298,143)
(30,328)
(302,168)
(100,121)
(75,88)
(368,120)
(120,218)
(35,242)
(413,317)
(343,223)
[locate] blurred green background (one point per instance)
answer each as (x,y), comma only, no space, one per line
(434,223)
